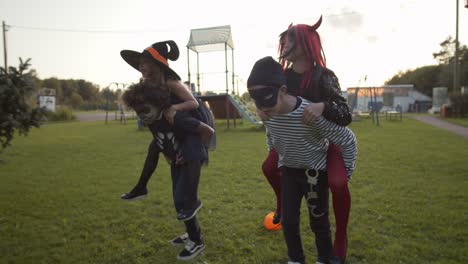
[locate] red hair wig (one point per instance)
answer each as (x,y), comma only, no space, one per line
(307,38)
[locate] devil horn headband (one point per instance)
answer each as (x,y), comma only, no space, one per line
(316,25)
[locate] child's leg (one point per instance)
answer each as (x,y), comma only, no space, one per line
(338,183)
(189,124)
(184,187)
(273,175)
(292,193)
(185,179)
(318,216)
(151,162)
(176,175)
(194,245)
(206,133)
(193,230)
(191,178)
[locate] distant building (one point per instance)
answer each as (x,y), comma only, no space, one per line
(388,97)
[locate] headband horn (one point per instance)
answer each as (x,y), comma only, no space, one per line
(316,25)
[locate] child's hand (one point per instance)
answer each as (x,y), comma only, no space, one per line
(179,158)
(312,112)
(169,114)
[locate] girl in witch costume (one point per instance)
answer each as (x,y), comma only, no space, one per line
(303,61)
(178,123)
(154,67)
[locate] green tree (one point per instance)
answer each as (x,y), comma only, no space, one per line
(427,77)
(464,66)
(54,83)
(447,51)
(446,58)
(87,90)
(75,100)
(111,98)
(16,114)
(423,78)
(69,87)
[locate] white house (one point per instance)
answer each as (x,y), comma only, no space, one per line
(388,97)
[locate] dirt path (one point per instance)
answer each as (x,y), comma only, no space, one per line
(95,117)
(459,130)
(87,117)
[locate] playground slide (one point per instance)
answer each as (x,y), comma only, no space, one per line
(240,105)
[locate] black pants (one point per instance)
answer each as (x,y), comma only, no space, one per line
(183,124)
(295,186)
(185,179)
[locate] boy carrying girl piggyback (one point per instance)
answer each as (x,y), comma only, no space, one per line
(302,153)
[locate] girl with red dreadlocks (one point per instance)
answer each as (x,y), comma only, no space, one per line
(303,61)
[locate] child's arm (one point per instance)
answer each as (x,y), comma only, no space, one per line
(343,137)
(332,106)
(183,93)
(335,109)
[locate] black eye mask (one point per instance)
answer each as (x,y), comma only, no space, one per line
(265,97)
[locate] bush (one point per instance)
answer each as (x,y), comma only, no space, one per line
(459,103)
(62,113)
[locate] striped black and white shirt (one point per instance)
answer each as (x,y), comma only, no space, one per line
(305,147)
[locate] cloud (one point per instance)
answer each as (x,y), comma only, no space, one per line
(346,20)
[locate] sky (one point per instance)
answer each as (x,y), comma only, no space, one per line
(82,39)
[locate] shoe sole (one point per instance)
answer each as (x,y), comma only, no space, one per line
(178,244)
(193,215)
(135,198)
(192,256)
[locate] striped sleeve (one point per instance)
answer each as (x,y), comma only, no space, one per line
(268,138)
(343,137)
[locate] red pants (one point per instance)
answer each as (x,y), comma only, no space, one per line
(338,184)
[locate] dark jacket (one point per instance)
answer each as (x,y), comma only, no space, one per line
(324,88)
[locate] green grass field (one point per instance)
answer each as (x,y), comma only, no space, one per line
(458,121)
(60,189)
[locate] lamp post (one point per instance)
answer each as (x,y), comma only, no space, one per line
(456,77)
(5,29)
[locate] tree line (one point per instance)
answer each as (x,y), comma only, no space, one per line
(441,75)
(78,93)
